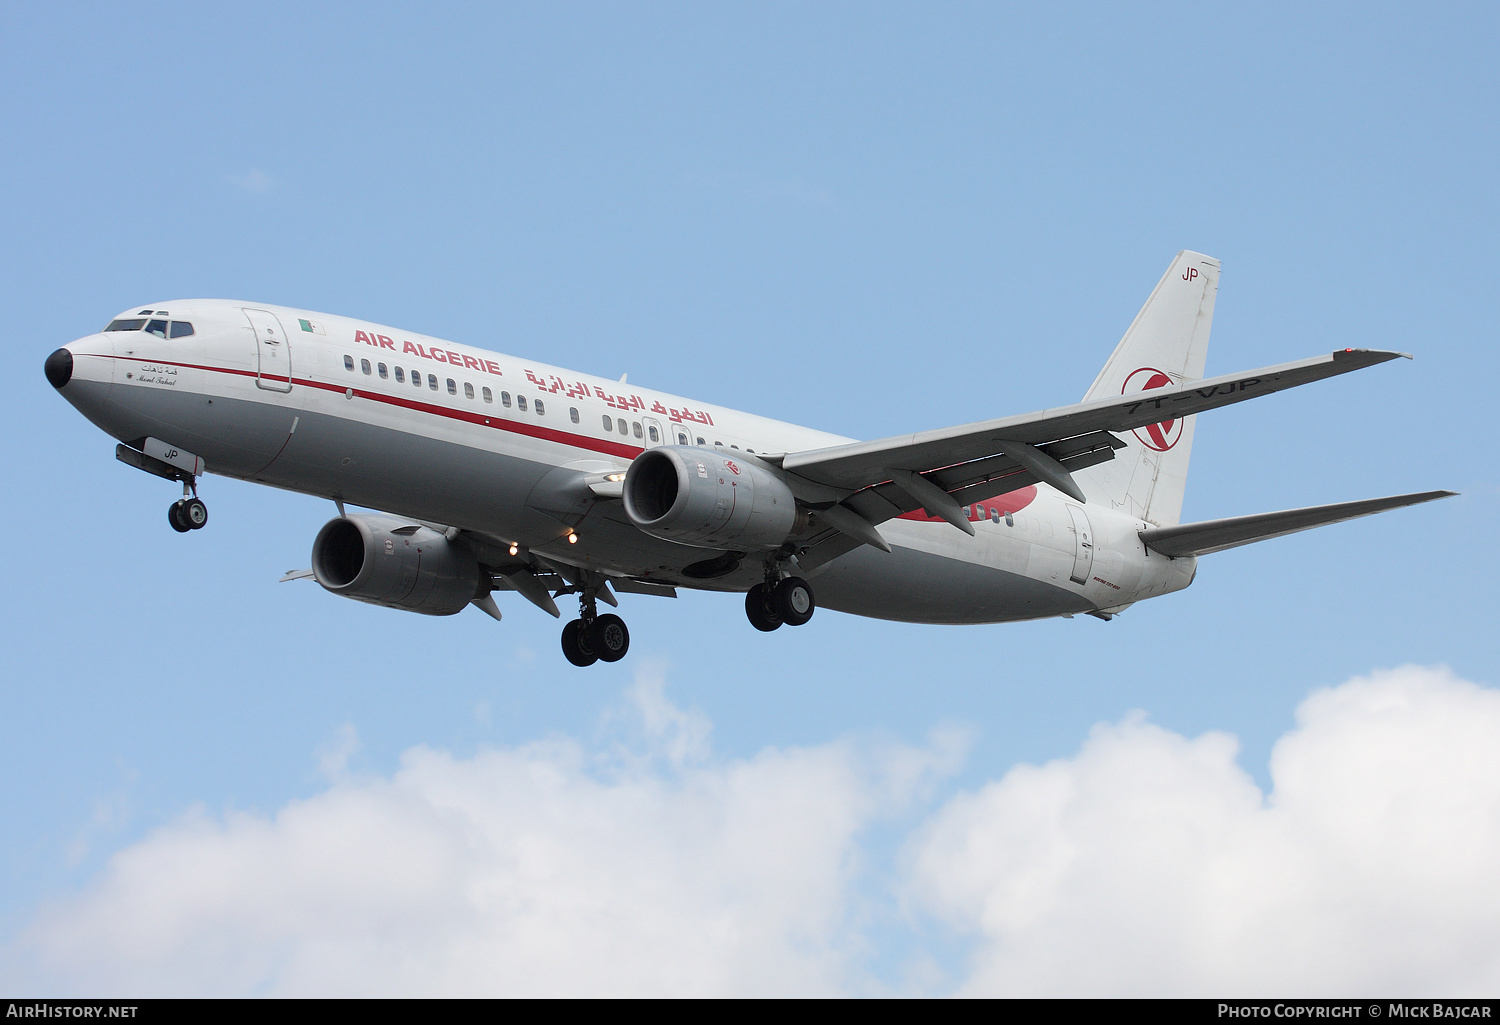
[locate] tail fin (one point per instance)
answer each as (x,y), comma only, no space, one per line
(1167,344)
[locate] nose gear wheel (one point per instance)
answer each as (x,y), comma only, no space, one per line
(187,514)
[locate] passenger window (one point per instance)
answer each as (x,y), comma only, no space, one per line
(157,328)
(681,438)
(364,366)
(751,451)
(125,325)
(181,329)
(489,396)
(381,370)
(505,399)
(735,447)
(655,436)
(432,381)
(521,403)
(624,427)
(400,376)
(573,413)
(700,441)
(1010,521)
(416,378)
(348,362)
(452,387)
(468,390)
(994,515)
(609,423)
(539,409)
(718,444)
(637,428)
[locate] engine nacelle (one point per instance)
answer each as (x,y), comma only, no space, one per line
(387,561)
(708,499)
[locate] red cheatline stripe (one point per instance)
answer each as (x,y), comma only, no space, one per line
(613,448)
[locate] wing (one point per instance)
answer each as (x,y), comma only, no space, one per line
(943,470)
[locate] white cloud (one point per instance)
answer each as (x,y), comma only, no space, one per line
(532,870)
(253,180)
(1152,864)
(334,755)
(1146,863)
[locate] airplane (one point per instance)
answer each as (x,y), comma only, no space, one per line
(488,473)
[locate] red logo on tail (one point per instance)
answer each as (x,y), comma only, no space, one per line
(1164,435)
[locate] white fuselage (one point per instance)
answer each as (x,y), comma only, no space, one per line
(456,435)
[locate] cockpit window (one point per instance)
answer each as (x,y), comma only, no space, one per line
(181,329)
(157,328)
(125,325)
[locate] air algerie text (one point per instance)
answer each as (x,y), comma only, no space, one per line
(457,359)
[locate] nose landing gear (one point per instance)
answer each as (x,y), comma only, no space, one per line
(591,637)
(188,512)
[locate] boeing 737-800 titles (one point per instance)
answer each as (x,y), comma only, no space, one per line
(492,473)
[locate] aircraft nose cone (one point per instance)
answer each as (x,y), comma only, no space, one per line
(60,368)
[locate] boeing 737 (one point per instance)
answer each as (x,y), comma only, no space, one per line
(488,473)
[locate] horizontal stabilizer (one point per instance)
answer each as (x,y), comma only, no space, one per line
(1216,535)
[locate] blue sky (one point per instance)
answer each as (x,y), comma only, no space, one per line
(867,219)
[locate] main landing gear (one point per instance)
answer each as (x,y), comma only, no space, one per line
(188,512)
(591,637)
(773,603)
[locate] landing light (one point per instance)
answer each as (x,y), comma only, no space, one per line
(515,549)
(572,539)
(615,478)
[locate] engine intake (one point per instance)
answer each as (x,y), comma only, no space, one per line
(709,499)
(386,561)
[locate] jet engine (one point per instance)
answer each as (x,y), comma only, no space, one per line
(392,562)
(709,499)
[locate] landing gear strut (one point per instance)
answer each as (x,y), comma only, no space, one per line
(188,512)
(775,602)
(591,637)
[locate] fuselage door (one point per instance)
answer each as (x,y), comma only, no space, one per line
(274,350)
(1083,546)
